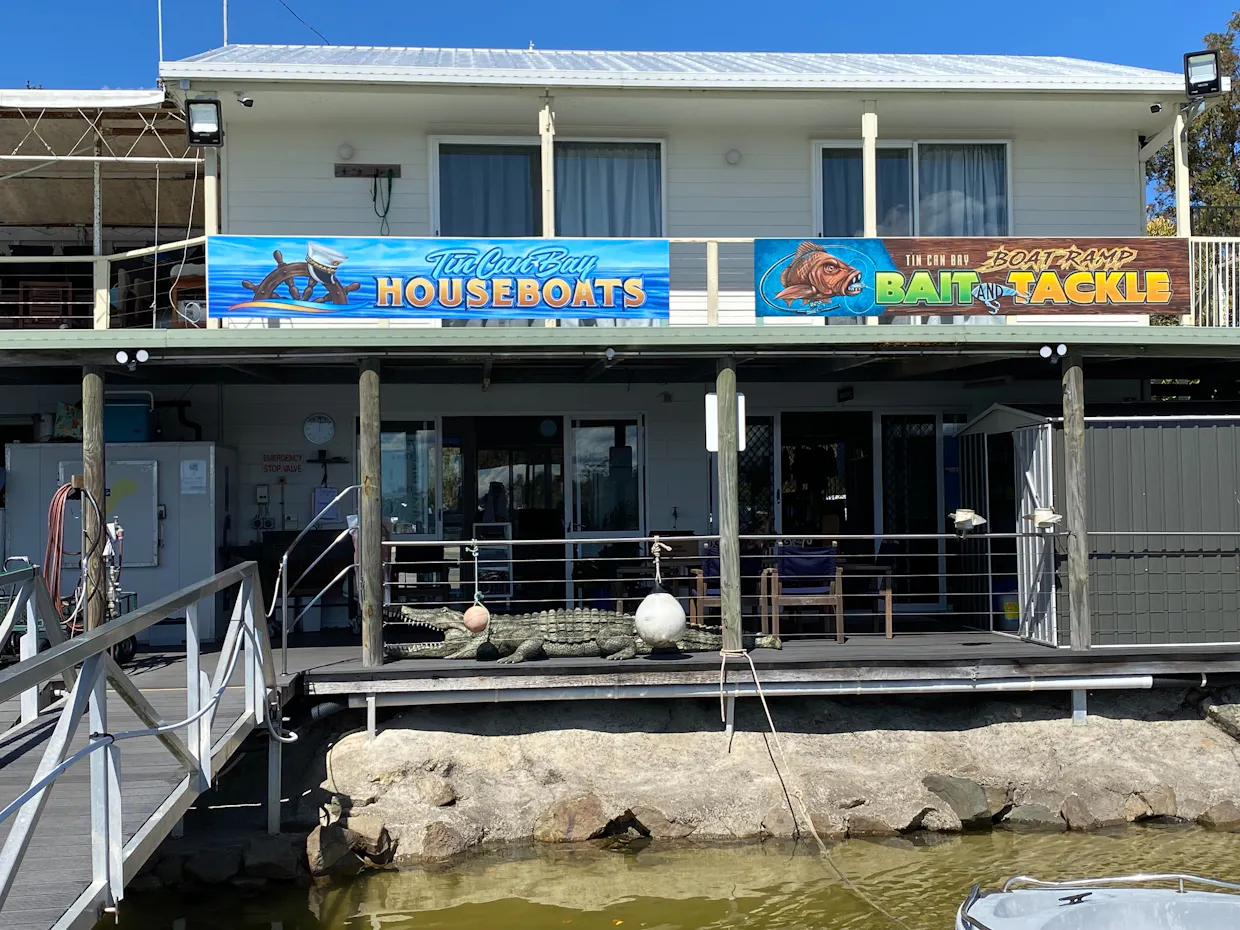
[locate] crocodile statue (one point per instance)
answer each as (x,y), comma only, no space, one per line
(551,633)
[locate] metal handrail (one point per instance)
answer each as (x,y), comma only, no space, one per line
(1139,878)
(245,644)
(282,575)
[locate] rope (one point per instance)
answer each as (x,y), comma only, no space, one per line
(796,792)
(657,547)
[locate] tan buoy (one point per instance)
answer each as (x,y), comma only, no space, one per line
(477,618)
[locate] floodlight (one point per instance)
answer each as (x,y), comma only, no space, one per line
(1203,73)
(204,125)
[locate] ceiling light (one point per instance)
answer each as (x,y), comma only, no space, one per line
(204,125)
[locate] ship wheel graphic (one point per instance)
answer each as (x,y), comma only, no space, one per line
(290,274)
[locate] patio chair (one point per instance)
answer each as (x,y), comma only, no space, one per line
(706,594)
(804,576)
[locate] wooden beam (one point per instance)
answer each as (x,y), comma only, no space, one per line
(370,530)
(729,506)
(1074,486)
(95,483)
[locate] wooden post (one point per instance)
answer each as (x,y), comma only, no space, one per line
(1183,182)
(370,529)
(1074,485)
(869,176)
(729,507)
(94,479)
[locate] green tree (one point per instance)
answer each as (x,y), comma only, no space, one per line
(1213,143)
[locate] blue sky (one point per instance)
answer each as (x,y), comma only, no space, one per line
(112,43)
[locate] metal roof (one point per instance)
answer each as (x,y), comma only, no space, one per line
(40,99)
(737,70)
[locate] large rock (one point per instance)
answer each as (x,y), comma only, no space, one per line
(831,826)
(656,823)
(443,841)
(1223,711)
(1222,816)
(271,857)
(938,820)
(328,852)
(778,821)
(572,820)
(862,759)
(1093,810)
(367,836)
(436,790)
(213,867)
(1029,818)
(1161,801)
(966,798)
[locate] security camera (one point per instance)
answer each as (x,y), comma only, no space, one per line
(244,100)
(1155,107)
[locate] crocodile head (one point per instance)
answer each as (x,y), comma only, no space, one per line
(449,622)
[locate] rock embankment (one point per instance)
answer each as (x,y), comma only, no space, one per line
(446,781)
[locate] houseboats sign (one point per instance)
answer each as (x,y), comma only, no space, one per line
(973,276)
(461,279)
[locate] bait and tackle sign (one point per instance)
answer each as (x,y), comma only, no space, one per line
(970,276)
(458,279)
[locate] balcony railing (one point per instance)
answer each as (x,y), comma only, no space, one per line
(712,284)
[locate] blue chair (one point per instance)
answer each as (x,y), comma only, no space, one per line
(803,576)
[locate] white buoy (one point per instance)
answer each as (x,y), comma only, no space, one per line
(660,619)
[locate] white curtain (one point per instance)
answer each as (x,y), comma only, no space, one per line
(489,191)
(962,190)
(842,210)
(608,190)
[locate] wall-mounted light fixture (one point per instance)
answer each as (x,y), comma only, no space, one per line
(732,156)
(1203,73)
(204,125)
(345,152)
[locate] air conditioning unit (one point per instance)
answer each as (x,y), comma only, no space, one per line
(191,313)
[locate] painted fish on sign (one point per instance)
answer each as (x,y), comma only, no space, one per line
(969,276)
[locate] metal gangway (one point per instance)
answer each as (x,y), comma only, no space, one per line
(105,761)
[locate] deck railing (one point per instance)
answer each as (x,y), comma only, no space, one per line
(712,284)
(245,645)
(886,585)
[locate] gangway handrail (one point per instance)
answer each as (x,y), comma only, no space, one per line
(282,575)
(246,643)
(1139,878)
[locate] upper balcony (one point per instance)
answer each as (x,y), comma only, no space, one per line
(1012,193)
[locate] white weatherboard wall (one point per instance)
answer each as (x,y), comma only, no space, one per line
(279,180)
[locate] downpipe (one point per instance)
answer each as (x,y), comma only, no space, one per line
(740,689)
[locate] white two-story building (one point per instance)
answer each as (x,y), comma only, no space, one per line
(886,385)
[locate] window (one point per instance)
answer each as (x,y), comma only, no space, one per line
(489,191)
(602,190)
(410,482)
(842,214)
(608,190)
(961,190)
(606,477)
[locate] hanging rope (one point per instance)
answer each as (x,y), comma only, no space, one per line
(474,550)
(796,791)
(657,548)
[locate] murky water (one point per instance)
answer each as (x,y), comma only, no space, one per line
(773,886)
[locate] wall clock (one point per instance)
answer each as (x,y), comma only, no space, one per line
(319,428)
